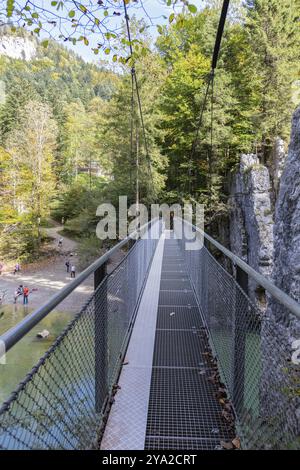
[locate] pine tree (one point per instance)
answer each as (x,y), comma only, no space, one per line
(273,33)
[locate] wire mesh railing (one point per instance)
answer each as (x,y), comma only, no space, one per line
(61,402)
(254,360)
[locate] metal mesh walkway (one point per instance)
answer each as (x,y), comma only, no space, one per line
(184,407)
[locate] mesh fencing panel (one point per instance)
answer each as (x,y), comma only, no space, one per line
(254,362)
(60,403)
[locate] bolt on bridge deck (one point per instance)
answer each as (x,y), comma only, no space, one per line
(167,397)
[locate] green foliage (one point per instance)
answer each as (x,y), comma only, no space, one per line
(254,86)
(90,248)
(89,154)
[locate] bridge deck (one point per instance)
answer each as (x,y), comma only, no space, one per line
(166,400)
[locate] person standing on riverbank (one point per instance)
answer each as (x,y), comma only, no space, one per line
(73,271)
(25,295)
(67,263)
(18,293)
(17,268)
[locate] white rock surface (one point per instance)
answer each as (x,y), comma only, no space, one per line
(280,328)
(251,220)
(16,47)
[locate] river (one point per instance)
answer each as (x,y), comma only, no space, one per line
(22,357)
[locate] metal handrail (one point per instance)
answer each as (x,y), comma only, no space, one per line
(269,286)
(14,334)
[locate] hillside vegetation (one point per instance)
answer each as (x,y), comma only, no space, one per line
(69,139)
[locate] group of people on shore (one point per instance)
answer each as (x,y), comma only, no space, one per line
(70,268)
(22,291)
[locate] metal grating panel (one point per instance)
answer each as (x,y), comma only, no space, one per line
(179,348)
(158,443)
(177,298)
(174,275)
(183,412)
(185,407)
(178,318)
(175,284)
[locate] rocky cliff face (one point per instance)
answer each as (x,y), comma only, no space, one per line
(280,328)
(251,221)
(15,47)
(278,158)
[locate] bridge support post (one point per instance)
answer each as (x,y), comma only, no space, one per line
(101,346)
(240,332)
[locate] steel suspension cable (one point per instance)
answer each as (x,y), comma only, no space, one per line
(131,128)
(211,134)
(134,75)
(211,80)
(198,127)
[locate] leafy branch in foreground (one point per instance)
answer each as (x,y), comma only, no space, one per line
(97,24)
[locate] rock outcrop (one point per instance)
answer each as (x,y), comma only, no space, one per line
(278,158)
(251,221)
(18,47)
(280,328)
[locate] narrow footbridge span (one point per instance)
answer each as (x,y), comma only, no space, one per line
(168,353)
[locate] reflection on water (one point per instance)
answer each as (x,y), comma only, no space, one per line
(22,357)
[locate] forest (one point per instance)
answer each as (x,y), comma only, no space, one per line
(71,136)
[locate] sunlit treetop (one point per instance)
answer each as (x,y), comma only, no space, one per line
(85,20)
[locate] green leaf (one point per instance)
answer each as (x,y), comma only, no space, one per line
(45,43)
(107,51)
(192,8)
(105,12)
(34,14)
(71,14)
(159,29)
(83,8)
(10,6)
(171,17)
(115,58)
(53,4)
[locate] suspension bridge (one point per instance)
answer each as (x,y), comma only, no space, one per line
(169,352)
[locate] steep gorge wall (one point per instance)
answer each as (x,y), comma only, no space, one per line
(281,377)
(251,221)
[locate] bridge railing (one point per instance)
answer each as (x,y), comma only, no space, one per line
(252,345)
(62,401)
